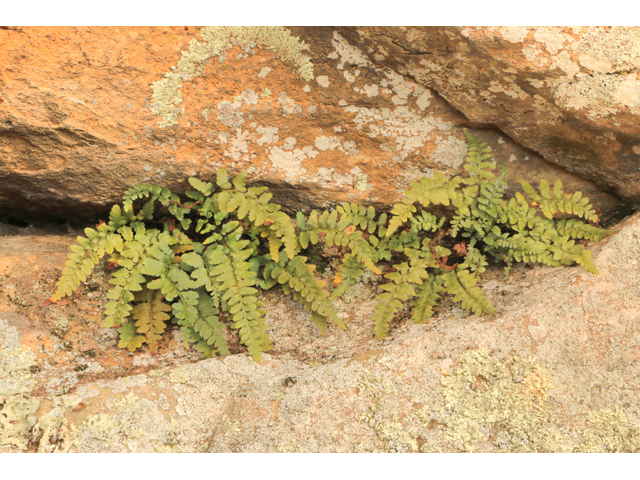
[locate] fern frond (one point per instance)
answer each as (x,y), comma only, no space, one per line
(235,280)
(296,277)
(401,212)
(150,314)
(85,255)
(557,201)
(437,190)
(477,154)
(349,272)
(427,222)
(136,253)
(129,337)
(359,215)
(400,288)
(567,252)
(575,228)
(334,232)
(462,284)
(270,222)
(474,260)
(427,297)
(208,327)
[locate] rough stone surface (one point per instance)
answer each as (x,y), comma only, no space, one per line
(572,94)
(77,127)
(460,383)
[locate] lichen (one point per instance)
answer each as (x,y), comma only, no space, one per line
(56,437)
(179,375)
(167,93)
(488,404)
(17,418)
(360,182)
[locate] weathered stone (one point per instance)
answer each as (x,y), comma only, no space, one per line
(460,383)
(572,94)
(77,122)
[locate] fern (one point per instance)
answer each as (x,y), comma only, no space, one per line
(296,277)
(200,262)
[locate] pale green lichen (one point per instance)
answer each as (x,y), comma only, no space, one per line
(360,182)
(217,40)
(487,398)
(56,437)
(393,435)
(17,418)
(489,404)
(17,408)
(128,402)
(179,375)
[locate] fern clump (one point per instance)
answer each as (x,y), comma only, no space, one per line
(200,263)
(194,261)
(485,224)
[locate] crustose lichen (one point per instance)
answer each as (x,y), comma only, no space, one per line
(167,91)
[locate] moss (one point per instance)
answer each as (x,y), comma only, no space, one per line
(217,40)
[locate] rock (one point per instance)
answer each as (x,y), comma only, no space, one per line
(571,94)
(553,370)
(87,112)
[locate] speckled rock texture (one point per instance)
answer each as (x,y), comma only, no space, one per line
(572,94)
(87,112)
(556,369)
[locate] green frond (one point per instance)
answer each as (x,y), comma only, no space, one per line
(427,297)
(574,228)
(399,289)
(296,277)
(476,163)
(349,272)
(129,337)
(362,217)
(208,327)
(462,284)
(236,281)
(150,314)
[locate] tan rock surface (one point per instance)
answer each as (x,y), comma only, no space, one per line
(459,383)
(77,127)
(572,94)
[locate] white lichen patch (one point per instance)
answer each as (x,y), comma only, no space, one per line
(347,54)
(323,81)
(179,375)
(54,433)
(600,95)
(552,38)
(15,359)
(489,405)
(514,34)
(264,72)
(288,105)
(324,143)
(167,93)
(267,135)
(290,162)
(613,48)
(451,152)
(424,100)
(402,126)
